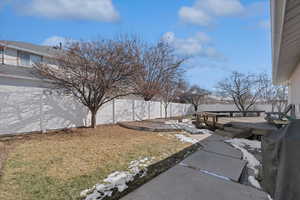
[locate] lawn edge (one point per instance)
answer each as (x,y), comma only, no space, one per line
(153,171)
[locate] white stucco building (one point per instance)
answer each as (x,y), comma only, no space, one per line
(286,47)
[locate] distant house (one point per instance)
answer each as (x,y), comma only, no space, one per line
(286,47)
(17,59)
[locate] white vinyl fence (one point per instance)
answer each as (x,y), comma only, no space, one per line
(28,109)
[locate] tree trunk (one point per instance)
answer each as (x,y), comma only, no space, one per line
(93,119)
(196,108)
(166,112)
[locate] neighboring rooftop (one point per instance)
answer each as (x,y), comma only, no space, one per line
(48,51)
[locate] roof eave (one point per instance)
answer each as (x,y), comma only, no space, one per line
(277,22)
(26,50)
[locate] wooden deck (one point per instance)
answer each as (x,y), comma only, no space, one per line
(258,125)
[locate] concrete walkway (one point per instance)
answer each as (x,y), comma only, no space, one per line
(211,173)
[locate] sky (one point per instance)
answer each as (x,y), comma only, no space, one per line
(219,36)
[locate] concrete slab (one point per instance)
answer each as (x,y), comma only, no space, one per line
(182,183)
(221,148)
(217,164)
(215,137)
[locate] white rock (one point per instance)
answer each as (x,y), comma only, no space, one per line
(252,162)
(118,179)
(184,138)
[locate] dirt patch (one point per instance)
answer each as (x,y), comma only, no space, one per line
(152,126)
(4,150)
(3,155)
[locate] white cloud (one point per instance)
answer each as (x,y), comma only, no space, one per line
(221,7)
(169,37)
(197,45)
(99,10)
(203,11)
(195,16)
(54,41)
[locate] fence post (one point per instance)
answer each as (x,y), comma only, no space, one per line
(113,111)
(42,112)
(171,113)
(149,109)
(160,109)
(133,111)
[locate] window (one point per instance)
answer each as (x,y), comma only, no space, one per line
(24,58)
(27,59)
(35,59)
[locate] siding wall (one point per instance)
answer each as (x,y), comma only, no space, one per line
(294,90)
(10,56)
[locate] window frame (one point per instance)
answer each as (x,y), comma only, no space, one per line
(23,53)
(30,61)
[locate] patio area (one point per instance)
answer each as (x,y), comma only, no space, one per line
(246,126)
(215,171)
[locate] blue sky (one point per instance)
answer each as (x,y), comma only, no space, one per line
(219,35)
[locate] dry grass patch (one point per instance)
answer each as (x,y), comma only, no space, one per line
(61,164)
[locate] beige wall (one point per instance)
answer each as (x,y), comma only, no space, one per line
(10,56)
(50,61)
(294,90)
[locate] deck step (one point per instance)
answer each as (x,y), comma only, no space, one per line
(226,133)
(233,129)
(241,132)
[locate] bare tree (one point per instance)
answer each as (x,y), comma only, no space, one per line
(276,96)
(182,89)
(158,65)
(280,98)
(169,93)
(244,90)
(94,72)
(195,96)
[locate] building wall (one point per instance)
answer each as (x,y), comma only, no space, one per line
(10,56)
(49,61)
(294,90)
